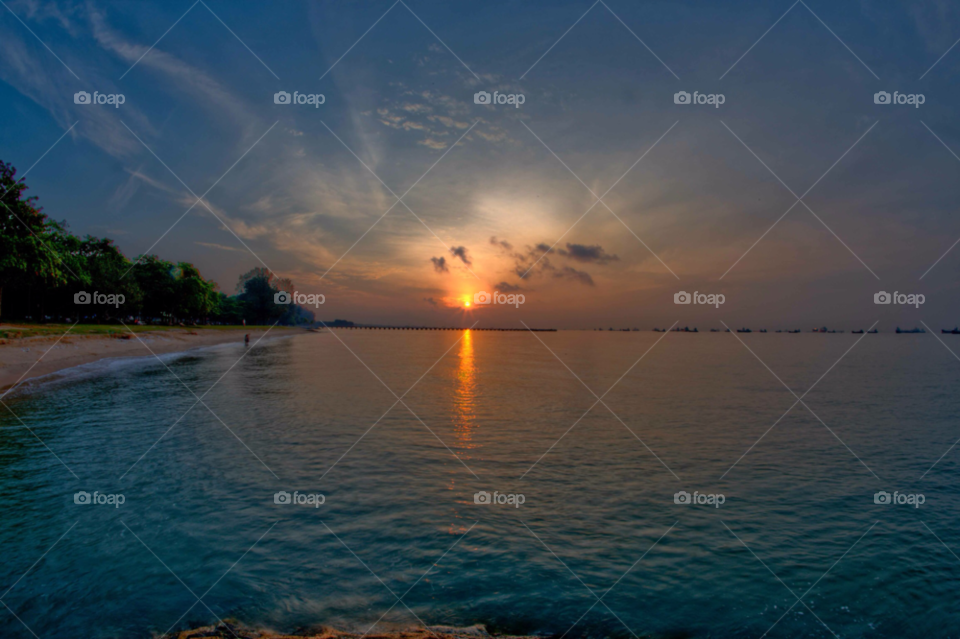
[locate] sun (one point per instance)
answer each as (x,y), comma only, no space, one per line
(466,301)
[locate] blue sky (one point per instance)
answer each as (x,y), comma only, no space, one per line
(598,81)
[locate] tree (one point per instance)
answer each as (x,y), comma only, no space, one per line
(257,288)
(105,267)
(43,266)
(195,295)
(155,278)
(229,310)
(24,252)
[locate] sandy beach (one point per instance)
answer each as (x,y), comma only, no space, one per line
(29,357)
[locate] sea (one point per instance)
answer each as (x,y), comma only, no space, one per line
(564,484)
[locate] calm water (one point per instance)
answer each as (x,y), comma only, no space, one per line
(199,499)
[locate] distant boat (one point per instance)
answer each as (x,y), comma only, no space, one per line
(873,331)
(744,330)
(763,330)
(860,332)
(713,330)
(914,330)
(955,331)
(794,331)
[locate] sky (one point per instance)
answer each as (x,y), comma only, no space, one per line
(598,198)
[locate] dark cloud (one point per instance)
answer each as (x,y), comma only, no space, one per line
(430,300)
(583,253)
(568,272)
(533,261)
(461,252)
(440,264)
(506,287)
(536,260)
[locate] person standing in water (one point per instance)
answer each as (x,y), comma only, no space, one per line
(246,339)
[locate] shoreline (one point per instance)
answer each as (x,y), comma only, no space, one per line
(26,358)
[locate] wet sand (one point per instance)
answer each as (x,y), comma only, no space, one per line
(29,357)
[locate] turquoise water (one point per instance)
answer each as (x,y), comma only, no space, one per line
(199,512)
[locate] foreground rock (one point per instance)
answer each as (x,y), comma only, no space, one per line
(229,630)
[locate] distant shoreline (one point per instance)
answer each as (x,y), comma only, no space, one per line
(26,358)
(360,327)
